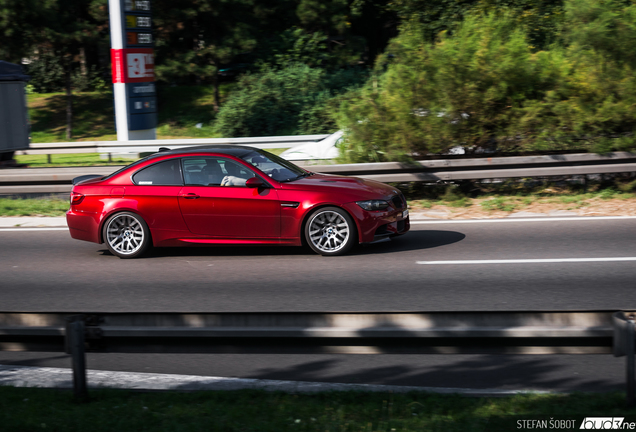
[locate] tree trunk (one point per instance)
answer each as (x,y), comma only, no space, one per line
(69,106)
(215,85)
(82,58)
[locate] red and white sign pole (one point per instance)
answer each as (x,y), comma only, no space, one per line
(132,59)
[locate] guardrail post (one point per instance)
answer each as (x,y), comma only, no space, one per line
(629,347)
(75,329)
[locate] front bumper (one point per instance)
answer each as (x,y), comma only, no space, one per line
(378,225)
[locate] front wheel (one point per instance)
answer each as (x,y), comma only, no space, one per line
(126,235)
(330,231)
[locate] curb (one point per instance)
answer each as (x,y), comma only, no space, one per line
(32,222)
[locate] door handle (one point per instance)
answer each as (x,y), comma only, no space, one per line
(190,196)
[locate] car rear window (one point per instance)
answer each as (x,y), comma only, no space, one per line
(166,173)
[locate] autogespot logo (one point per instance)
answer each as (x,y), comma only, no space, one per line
(606,423)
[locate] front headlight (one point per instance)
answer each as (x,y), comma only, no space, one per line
(373,204)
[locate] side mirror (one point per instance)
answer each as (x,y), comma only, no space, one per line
(255,182)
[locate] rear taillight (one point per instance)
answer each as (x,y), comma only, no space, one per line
(76,198)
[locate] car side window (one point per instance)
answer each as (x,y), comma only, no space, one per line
(211,171)
(235,173)
(166,173)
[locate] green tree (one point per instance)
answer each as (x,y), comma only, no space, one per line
(593,105)
(47,73)
(459,91)
(69,26)
(195,38)
(50,29)
(20,26)
(539,18)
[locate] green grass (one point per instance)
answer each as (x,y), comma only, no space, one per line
(500,203)
(79,159)
(249,410)
(180,110)
(454,198)
(93,117)
(33,207)
(513,196)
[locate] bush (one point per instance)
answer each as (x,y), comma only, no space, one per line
(47,73)
(483,88)
(592,103)
(285,101)
(459,91)
(47,76)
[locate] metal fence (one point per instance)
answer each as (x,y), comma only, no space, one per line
(494,332)
(58,180)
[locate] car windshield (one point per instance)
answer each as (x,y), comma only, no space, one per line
(274,166)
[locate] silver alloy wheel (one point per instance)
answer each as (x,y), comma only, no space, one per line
(329,231)
(125,234)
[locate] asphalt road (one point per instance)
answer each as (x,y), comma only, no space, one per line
(48,271)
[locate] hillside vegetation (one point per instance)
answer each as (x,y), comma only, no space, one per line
(403,78)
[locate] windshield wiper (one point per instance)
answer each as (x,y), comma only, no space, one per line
(303,175)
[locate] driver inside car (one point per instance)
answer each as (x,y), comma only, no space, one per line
(234,176)
(212,173)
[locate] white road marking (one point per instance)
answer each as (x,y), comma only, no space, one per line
(528,261)
(534,219)
(32,229)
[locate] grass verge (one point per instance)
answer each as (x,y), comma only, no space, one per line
(489,199)
(24,409)
(68,160)
(33,207)
(184,112)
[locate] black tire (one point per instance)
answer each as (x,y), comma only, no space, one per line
(330,231)
(126,235)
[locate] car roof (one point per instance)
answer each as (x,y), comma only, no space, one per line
(232,150)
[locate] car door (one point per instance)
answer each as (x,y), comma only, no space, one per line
(215,201)
(154,195)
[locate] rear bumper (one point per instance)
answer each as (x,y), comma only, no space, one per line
(83,226)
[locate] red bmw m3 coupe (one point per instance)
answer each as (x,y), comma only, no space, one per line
(231,195)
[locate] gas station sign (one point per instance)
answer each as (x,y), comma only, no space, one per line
(133,66)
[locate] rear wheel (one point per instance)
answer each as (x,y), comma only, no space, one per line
(126,235)
(330,231)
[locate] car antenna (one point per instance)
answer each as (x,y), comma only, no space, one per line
(163,149)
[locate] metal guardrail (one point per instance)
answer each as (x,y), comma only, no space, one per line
(489,168)
(563,332)
(495,332)
(141,146)
(58,180)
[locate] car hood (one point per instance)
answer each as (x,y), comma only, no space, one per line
(358,186)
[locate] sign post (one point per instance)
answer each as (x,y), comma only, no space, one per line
(133,64)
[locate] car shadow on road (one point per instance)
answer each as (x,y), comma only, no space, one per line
(416,240)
